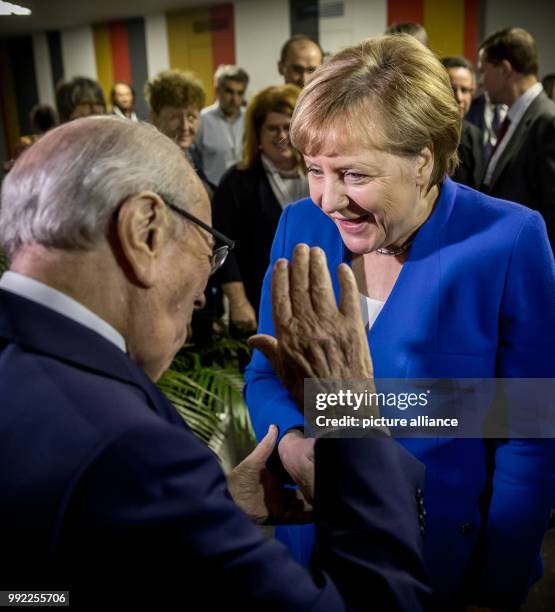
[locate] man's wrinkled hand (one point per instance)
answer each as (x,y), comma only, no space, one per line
(314,337)
(260,495)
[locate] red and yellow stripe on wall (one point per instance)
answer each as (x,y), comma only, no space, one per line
(200,40)
(452,26)
(111,47)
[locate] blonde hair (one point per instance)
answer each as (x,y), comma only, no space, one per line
(275,99)
(174,88)
(389,93)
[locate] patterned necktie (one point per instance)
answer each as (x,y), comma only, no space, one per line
(496,121)
(493,131)
(501,134)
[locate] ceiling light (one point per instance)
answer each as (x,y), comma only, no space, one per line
(7,8)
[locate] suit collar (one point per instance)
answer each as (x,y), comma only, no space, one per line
(53,299)
(519,108)
(42,330)
(518,137)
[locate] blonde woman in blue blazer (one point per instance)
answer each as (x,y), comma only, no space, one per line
(457,284)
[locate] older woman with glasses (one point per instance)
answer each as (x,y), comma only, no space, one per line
(252,195)
(452,283)
(176,98)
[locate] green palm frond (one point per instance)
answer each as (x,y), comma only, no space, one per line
(206,387)
(4,263)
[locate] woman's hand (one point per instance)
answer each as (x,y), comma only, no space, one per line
(259,494)
(297,456)
(242,315)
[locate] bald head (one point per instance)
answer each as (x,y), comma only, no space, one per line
(300,57)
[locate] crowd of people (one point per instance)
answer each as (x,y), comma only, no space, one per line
(414,199)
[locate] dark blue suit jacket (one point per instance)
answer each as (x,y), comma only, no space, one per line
(475,298)
(525,172)
(104,490)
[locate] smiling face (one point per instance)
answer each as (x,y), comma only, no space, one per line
(123,96)
(274,141)
(179,124)
(374,197)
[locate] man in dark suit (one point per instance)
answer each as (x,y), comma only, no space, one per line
(103,489)
(522,165)
(487,117)
(471,149)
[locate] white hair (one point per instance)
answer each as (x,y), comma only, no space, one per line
(232,72)
(63,191)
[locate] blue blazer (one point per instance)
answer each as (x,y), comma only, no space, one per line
(475,298)
(105,491)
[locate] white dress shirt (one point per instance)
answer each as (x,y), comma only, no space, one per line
(490,135)
(370,309)
(61,303)
(515,114)
(219,141)
(119,113)
(287,188)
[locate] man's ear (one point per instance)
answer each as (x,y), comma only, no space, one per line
(153,118)
(280,68)
(142,230)
(424,167)
(506,67)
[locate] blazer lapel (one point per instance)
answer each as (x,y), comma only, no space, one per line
(517,140)
(413,304)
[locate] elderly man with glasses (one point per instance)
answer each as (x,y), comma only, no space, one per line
(104,491)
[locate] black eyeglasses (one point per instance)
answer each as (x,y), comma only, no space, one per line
(220,253)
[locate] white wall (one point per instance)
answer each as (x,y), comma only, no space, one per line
(261,28)
(537,17)
(361,19)
(78,53)
(157,52)
(43,70)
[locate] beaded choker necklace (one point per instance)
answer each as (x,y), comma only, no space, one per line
(397,251)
